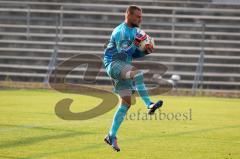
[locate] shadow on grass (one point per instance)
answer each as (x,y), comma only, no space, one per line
(11,157)
(129,140)
(37,139)
(15,127)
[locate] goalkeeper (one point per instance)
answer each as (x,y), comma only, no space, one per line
(121,49)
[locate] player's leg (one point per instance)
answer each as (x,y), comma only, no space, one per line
(118,118)
(124,89)
(138,78)
(120,114)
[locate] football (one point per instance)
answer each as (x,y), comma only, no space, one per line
(147,43)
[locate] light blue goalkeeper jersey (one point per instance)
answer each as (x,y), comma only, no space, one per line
(121,46)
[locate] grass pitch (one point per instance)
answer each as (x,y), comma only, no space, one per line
(29,128)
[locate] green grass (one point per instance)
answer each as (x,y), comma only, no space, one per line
(30,129)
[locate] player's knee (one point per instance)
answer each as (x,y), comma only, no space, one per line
(126,101)
(128,104)
(136,73)
(132,73)
(127,74)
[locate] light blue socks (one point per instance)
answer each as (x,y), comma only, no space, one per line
(142,91)
(117,119)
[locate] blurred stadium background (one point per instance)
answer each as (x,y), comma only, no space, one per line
(197,40)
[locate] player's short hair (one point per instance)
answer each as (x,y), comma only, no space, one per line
(132,8)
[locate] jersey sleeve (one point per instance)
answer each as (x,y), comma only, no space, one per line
(138,54)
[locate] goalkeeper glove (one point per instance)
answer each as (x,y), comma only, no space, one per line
(139,38)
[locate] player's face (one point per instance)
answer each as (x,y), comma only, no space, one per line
(135,18)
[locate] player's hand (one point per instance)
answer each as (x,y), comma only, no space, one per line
(139,38)
(148,48)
